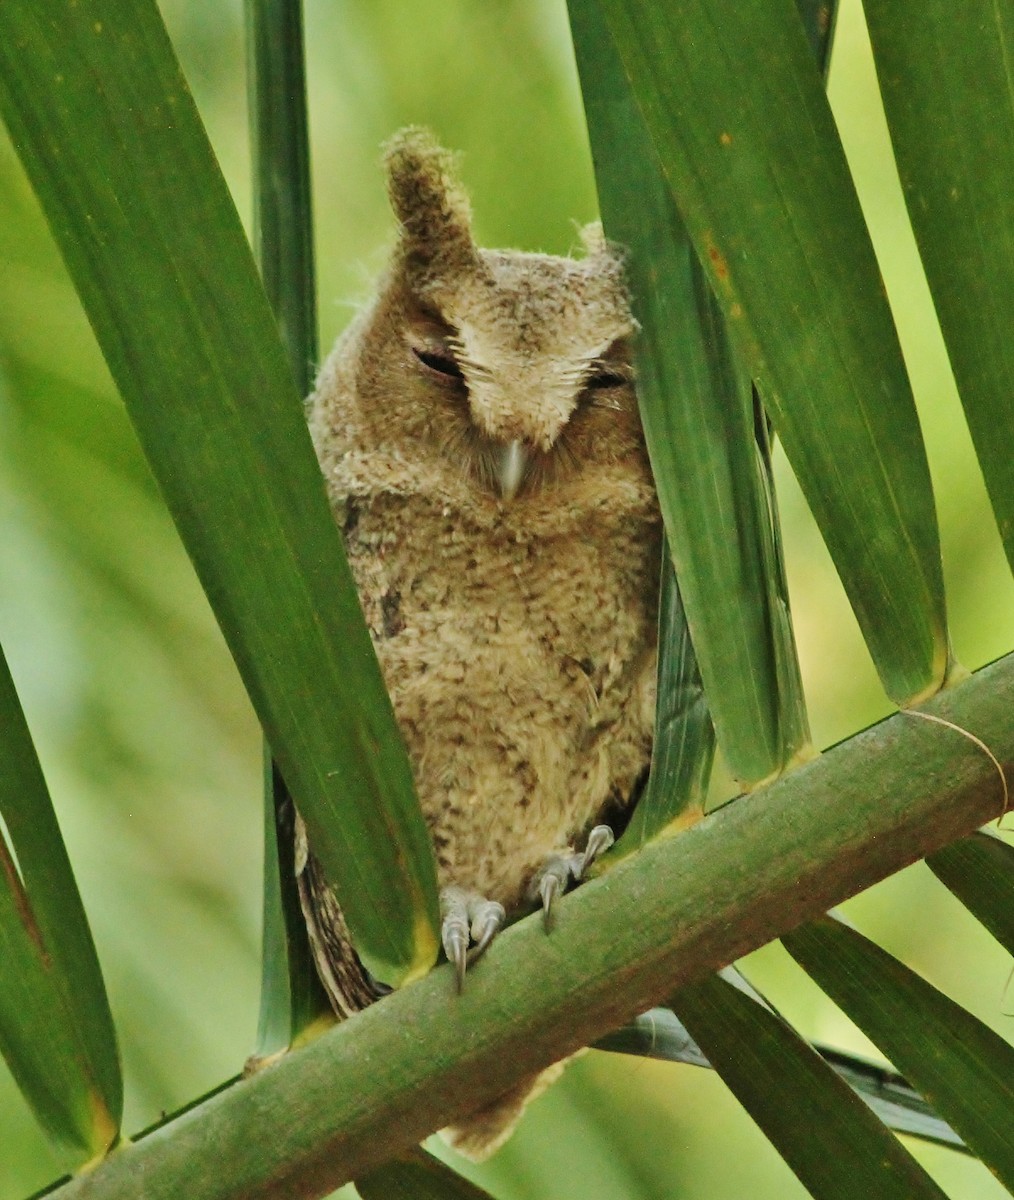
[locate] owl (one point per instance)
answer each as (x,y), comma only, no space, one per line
(479,435)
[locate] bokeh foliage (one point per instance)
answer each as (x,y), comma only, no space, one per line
(142,725)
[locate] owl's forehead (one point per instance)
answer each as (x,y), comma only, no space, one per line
(543,304)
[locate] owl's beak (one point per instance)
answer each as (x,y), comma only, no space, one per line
(511,466)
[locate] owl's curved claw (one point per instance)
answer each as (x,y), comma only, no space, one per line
(467,916)
(454,936)
(487,921)
(552,882)
(556,872)
(599,841)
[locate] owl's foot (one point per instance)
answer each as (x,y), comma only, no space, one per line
(466,916)
(558,870)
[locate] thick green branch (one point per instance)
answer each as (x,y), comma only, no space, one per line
(758,867)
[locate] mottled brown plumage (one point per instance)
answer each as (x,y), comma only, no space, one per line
(478,431)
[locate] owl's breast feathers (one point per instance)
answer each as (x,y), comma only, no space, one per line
(518,644)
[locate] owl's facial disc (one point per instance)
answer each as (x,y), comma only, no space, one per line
(506,414)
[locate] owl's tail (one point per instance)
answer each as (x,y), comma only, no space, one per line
(483,1132)
(348,984)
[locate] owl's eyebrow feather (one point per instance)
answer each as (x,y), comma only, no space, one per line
(471,367)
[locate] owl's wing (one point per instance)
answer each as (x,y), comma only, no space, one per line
(348,984)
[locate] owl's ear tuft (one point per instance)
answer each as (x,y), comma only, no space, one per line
(428,200)
(608,256)
(593,239)
(607,261)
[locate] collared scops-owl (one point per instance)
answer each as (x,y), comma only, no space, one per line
(479,436)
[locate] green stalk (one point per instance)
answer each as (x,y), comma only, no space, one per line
(661,919)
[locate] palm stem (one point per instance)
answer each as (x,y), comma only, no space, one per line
(663,918)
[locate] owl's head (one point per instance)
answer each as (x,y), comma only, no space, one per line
(514,366)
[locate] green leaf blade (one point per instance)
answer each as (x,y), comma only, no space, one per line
(56,1030)
(283,213)
(697,411)
(948,93)
(759,180)
(826,1134)
(979,870)
(108,132)
(819,18)
(683,748)
(962,1067)
(292,998)
(659,1034)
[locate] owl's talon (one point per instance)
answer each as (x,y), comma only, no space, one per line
(549,889)
(556,872)
(487,922)
(460,961)
(454,930)
(455,939)
(552,882)
(599,841)
(467,916)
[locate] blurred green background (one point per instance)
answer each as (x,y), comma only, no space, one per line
(147,739)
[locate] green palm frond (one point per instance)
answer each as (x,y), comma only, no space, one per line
(759,298)
(170,287)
